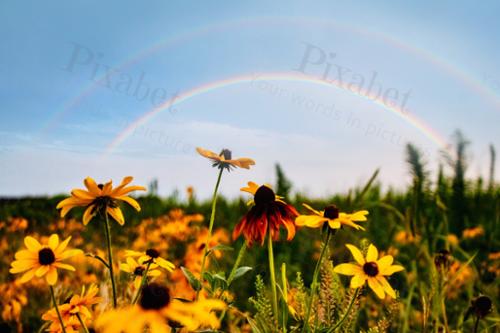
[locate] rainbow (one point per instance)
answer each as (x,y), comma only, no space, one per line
(474,84)
(290,77)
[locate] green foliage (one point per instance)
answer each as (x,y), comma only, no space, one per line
(264,319)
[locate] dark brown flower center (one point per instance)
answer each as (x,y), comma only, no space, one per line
(226,153)
(46,256)
(139,270)
(331,212)
(101,186)
(370,268)
(482,306)
(154,297)
(442,259)
(153,253)
(264,195)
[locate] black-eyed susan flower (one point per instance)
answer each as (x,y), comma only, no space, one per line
(371,270)
(77,306)
(224,160)
(155,309)
(99,198)
(332,216)
(268,213)
(42,260)
(137,270)
(151,256)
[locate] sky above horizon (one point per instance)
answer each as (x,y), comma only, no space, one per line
(330,90)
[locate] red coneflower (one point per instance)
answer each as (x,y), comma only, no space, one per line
(268,212)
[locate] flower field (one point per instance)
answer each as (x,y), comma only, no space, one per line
(115,257)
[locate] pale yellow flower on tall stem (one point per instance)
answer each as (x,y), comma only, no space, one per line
(222,161)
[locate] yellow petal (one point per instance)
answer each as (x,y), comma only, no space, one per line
(387,287)
(25,254)
(89,214)
(372,254)
(312,209)
(359,216)
(245,162)
(125,268)
(53,241)
(334,224)
(132,202)
(127,190)
(165,264)
(27,276)
(208,154)
(91,185)
(132,263)
(52,276)
(357,281)
(19,268)
(125,181)
(32,244)
(376,287)
(251,188)
(70,253)
(154,273)
(42,270)
(391,270)
(347,269)
(384,262)
(311,221)
(356,253)
(137,282)
(82,194)
(63,245)
(116,214)
(107,188)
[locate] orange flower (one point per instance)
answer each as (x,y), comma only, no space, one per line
(224,159)
(268,212)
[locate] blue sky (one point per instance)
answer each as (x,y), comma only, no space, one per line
(57,119)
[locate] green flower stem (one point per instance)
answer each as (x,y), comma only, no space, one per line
(347,311)
(85,329)
(241,254)
(107,230)
(476,324)
(57,309)
(143,282)
(210,228)
(314,283)
(272,273)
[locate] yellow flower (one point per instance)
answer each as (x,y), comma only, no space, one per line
(473,232)
(370,269)
(332,216)
(101,199)
(156,309)
(224,159)
(137,270)
(151,255)
(42,260)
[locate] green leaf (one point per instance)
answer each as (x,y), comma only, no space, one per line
(193,281)
(240,271)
